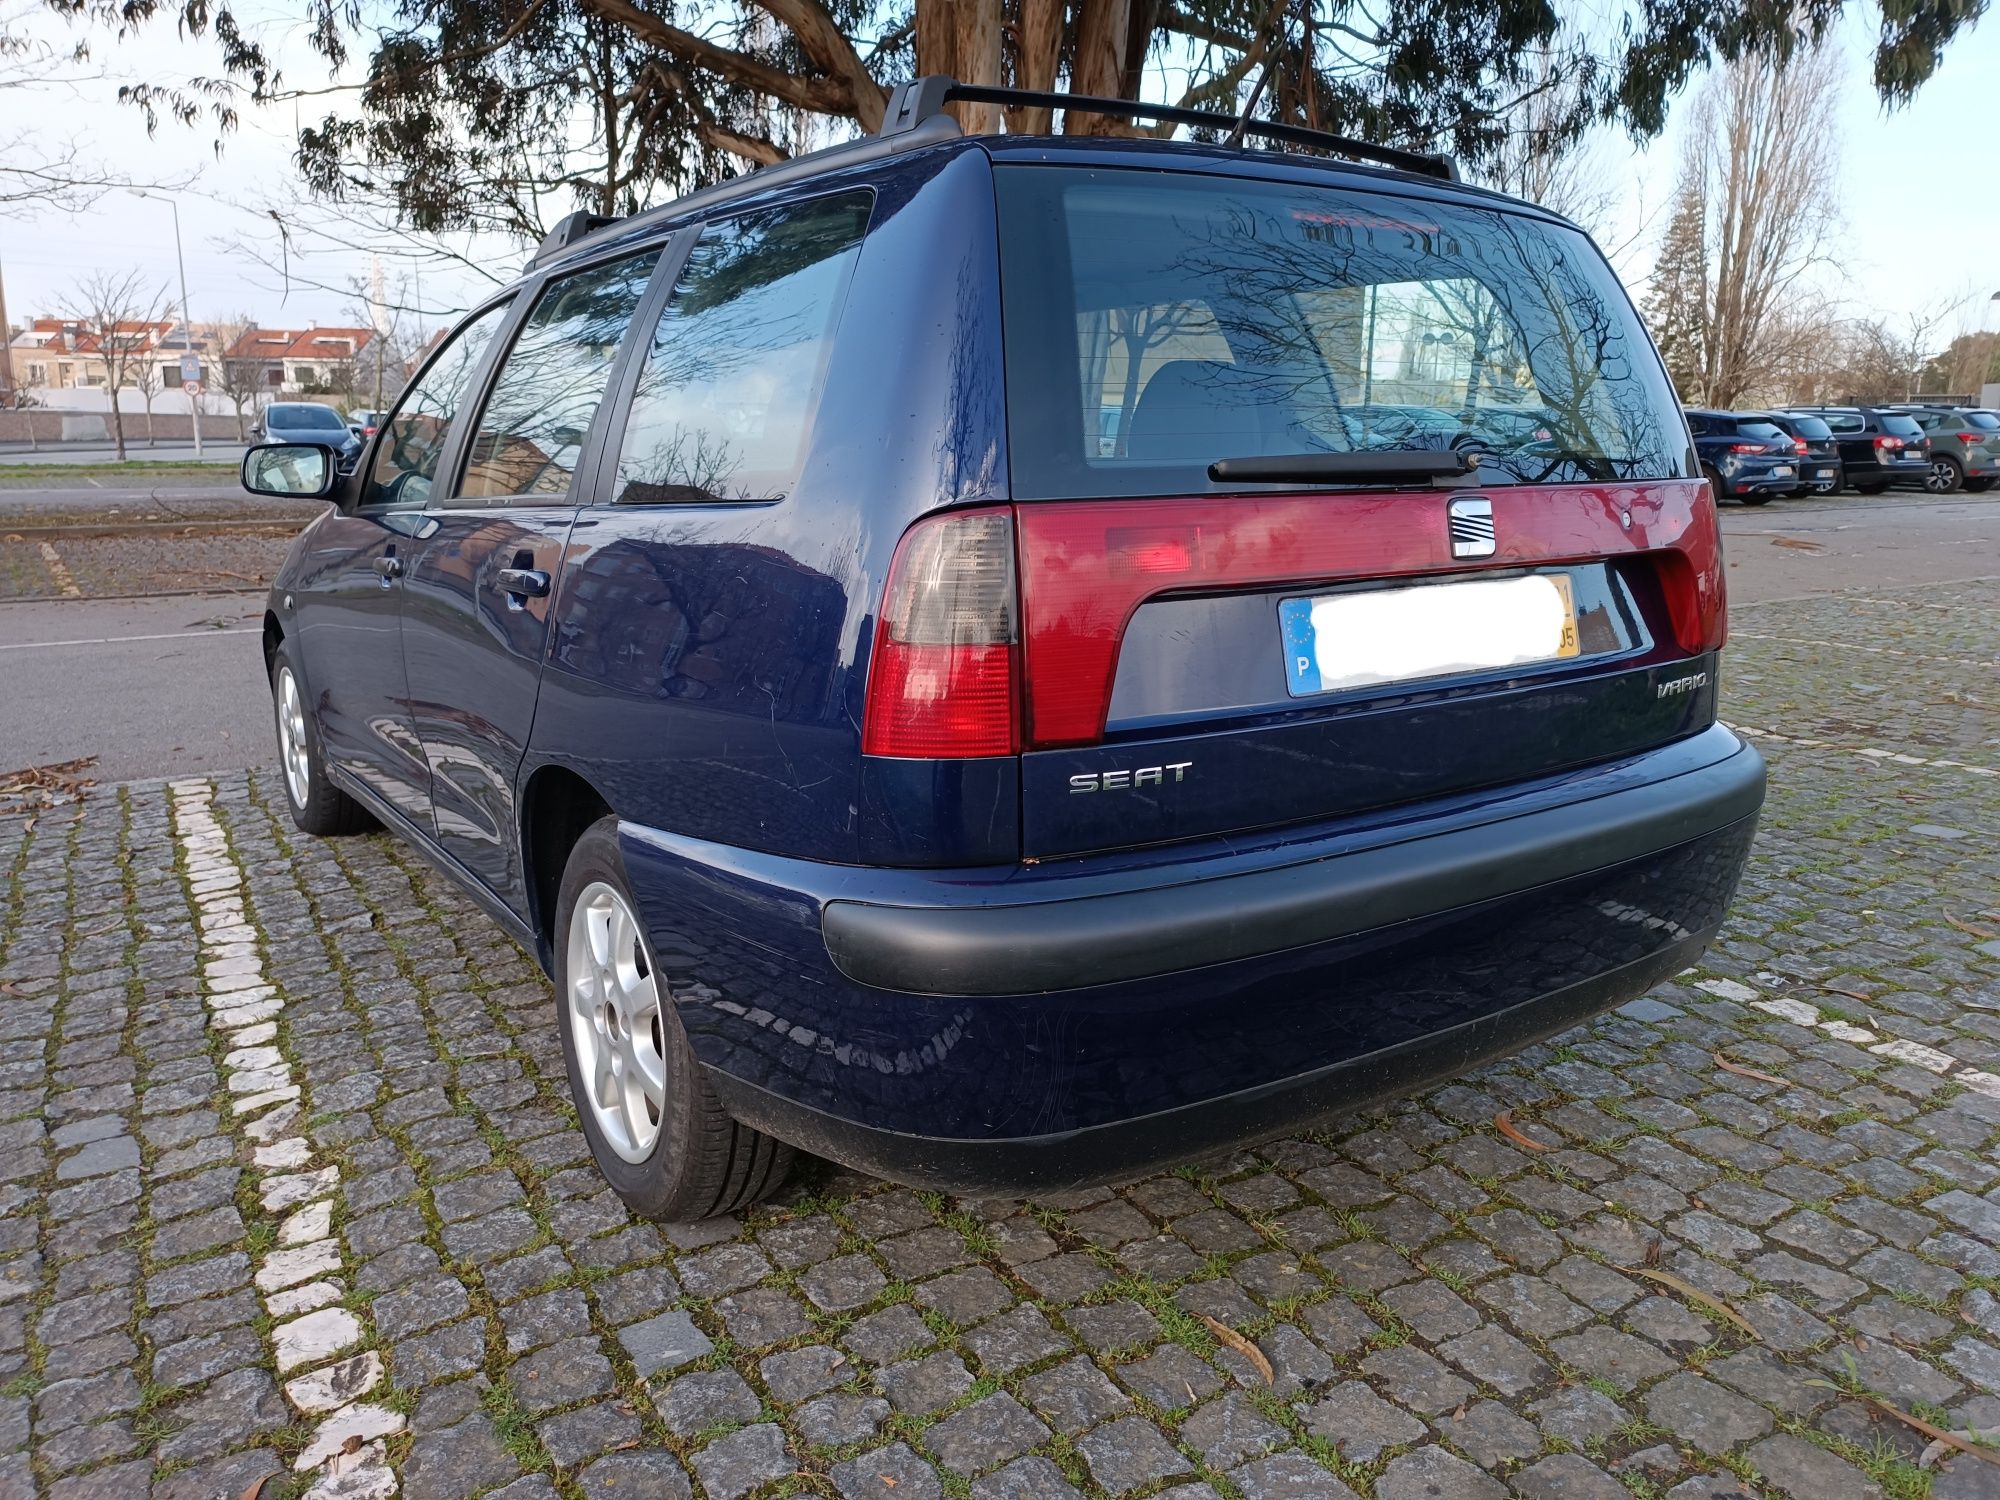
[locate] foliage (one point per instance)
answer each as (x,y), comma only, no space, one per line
(501,114)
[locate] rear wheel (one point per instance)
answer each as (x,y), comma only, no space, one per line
(317,805)
(1755,497)
(1946,476)
(1715,483)
(1826,487)
(1872,489)
(661,1137)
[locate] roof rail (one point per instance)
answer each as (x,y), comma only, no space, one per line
(924,98)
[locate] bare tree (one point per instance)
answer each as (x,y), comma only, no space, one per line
(115,311)
(1759,157)
(241,380)
(146,381)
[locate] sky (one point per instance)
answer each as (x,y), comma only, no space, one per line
(1921,216)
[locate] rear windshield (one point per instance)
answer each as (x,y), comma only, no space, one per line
(305,416)
(1811,428)
(1759,429)
(1156,323)
(1901,426)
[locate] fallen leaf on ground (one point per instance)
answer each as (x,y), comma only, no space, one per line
(1929,1429)
(1504,1123)
(1230,1338)
(1742,1072)
(255,1488)
(1694,1294)
(1973,928)
(1798,543)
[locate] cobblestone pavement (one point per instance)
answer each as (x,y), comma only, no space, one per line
(292,1188)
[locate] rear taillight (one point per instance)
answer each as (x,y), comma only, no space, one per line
(943,683)
(1969,437)
(1746,447)
(1799,445)
(1885,441)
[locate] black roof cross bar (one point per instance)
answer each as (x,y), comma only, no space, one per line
(923,99)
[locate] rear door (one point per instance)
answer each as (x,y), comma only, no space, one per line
(481,589)
(1204,654)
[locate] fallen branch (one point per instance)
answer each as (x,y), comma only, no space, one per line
(1742,1072)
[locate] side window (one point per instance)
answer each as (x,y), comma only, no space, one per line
(1698,425)
(407,459)
(725,402)
(531,435)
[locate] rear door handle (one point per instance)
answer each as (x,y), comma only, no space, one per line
(522,583)
(389,566)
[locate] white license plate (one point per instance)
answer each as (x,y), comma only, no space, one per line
(1340,641)
(1781,471)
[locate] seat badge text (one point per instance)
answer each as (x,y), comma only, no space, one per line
(1119,781)
(1673,687)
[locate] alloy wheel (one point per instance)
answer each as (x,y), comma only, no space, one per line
(615,1022)
(1942,479)
(294,749)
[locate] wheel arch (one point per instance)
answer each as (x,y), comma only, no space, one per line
(557,806)
(274,637)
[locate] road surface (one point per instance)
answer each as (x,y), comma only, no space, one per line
(166,687)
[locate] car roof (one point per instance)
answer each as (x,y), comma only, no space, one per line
(941,135)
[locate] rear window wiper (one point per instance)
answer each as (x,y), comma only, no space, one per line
(1392,466)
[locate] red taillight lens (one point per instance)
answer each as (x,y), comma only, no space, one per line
(944,680)
(1799,444)
(1888,442)
(1969,437)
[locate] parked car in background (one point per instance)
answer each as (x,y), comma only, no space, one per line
(308,422)
(1744,455)
(1814,448)
(1879,446)
(364,422)
(1965,447)
(743,608)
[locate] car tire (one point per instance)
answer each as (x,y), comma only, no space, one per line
(317,805)
(1872,489)
(1947,475)
(1978,486)
(1714,478)
(675,1158)
(1754,497)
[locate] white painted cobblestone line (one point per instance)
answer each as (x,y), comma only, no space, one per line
(298,1279)
(1891,757)
(1804,1013)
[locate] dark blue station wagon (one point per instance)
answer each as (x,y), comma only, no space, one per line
(1008,662)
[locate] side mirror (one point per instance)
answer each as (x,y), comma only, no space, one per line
(289,470)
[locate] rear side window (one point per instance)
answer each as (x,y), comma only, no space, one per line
(1984,419)
(725,402)
(406,459)
(1157,322)
(531,435)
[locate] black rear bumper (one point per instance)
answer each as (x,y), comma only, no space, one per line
(1089,940)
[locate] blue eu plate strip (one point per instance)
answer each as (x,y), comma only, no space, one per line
(1295,618)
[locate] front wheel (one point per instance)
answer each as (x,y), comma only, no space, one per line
(317,805)
(661,1137)
(1945,476)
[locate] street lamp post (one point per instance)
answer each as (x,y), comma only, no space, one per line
(187,327)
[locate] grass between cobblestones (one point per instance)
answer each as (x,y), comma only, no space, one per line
(1444,1312)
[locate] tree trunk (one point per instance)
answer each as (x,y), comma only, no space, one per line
(1038,54)
(961,39)
(117,425)
(1099,65)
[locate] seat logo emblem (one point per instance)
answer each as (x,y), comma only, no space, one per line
(1470,518)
